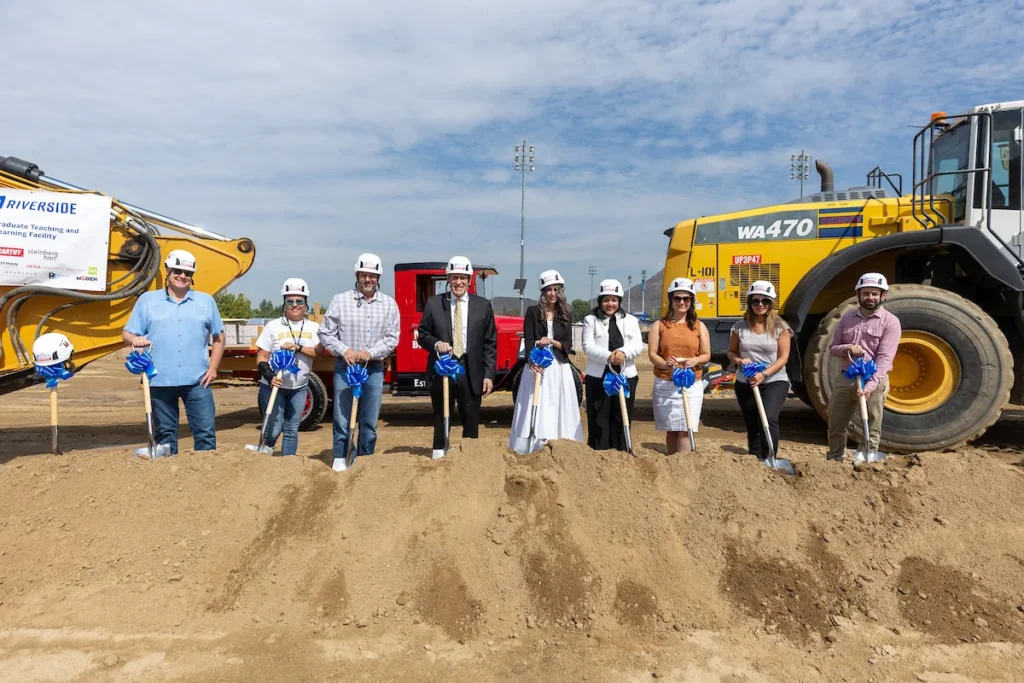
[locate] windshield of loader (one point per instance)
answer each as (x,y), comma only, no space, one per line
(951,152)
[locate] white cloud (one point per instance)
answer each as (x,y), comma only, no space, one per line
(325,130)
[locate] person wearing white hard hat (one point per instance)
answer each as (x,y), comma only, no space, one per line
(360,327)
(548,324)
(872,333)
(462,325)
(177,323)
(761,337)
(295,333)
(678,340)
(611,337)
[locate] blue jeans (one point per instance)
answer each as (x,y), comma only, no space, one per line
(199,410)
(369,409)
(285,418)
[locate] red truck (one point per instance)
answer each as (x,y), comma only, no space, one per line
(406,370)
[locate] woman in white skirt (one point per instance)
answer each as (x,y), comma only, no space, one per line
(678,340)
(549,324)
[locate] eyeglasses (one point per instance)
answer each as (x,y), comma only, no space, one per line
(760,302)
(679,299)
(294,302)
(179,271)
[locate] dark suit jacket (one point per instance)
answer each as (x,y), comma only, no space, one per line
(481,355)
(535,327)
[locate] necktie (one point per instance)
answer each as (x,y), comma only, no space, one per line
(459,344)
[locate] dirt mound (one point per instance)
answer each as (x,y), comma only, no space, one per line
(565,545)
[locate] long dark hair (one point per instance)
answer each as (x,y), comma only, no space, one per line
(563,313)
(691,313)
(598,312)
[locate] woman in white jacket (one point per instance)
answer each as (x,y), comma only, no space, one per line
(610,337)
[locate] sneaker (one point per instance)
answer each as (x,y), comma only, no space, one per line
(437,454)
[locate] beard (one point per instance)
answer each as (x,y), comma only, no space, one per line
(870,305)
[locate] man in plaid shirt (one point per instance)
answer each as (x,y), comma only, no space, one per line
(360,326)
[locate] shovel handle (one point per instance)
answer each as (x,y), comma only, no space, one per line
(147,399)
(622,408)
(354,417)
(535,401)
(53,407)
(446,408)
(764,419)
(862,400)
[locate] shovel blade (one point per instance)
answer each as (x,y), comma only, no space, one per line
(781,465)
(339,465)
(260,448)
(529,444)
(152,453)
(862,458)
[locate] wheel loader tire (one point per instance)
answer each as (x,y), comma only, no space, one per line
(316,404)
(980,353)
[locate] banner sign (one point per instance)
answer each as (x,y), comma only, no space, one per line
(54,239)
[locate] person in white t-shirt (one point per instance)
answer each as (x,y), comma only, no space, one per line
(291,332)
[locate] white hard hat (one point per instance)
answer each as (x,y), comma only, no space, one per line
(681,284)
(51,348)
(609,288)
(369,263)
(551,277)
(459,265)
(179,258)
(873,280)
(762,287)
(295,285)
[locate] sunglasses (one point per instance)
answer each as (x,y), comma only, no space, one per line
(179,271)
(294,302)
(678,299)
(760,302)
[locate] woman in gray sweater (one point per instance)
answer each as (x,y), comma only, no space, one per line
(761,337)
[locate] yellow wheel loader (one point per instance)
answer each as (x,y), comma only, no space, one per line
(951,249)
(93,320)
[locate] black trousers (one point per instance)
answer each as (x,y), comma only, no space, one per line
(604,416)
(461,395)
(773,395)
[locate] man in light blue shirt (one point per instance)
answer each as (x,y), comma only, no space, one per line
(176,324)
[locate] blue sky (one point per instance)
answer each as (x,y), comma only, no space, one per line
(323,130)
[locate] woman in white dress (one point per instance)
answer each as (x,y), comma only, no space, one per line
(549,324)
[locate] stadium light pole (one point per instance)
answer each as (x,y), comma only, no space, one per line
(521,163)
(643,291)
(593,271)
(629,294)
(800,167)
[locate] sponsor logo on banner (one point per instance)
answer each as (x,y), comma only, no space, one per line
(11,251)
(93,270)
(746,260)
(53,276)
(87,278)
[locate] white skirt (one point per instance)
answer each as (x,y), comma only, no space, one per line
(558,413)
(669,415)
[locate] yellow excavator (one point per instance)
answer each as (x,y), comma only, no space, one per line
(93,320)
(953,246)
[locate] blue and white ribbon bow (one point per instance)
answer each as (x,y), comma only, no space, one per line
(283,361)
(542,356)
(53,373)
(356,376)
(446,366)
(614,381)
(139,362)
(751,369)
(861,368)
(683,378)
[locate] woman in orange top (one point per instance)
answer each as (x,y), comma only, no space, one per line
(678,340)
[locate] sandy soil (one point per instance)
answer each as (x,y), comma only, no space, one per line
(486,566)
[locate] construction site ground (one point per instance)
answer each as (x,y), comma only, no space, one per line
(567,564)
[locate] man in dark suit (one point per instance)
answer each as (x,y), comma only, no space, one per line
(461,324)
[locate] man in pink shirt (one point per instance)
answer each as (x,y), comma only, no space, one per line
(872,333)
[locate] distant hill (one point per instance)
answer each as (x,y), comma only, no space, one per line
(509,305)
(634,296)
